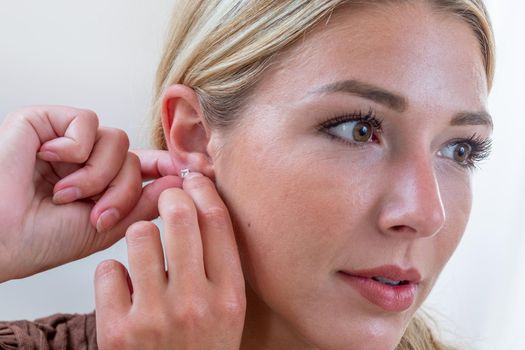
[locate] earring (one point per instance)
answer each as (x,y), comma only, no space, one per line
(184,172)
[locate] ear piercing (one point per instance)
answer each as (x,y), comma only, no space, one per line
(184,172)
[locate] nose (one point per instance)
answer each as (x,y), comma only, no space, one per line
(412,206)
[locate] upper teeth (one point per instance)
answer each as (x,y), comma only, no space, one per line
(386,281)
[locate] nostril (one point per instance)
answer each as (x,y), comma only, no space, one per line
(402,228)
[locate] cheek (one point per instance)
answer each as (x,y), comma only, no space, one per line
(293,213)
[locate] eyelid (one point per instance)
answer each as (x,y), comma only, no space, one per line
(359,116)
(480,150)
(356,117)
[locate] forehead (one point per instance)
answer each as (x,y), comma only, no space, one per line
(433,59)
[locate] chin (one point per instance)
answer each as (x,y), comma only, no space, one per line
(360,342)
(360,333)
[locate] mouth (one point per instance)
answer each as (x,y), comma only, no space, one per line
(390,282)
(389,287)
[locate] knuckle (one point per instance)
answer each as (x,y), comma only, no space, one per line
(216,215)
(37,116)
(134,160)
(179,212)
(80,151)
(192,314)
(27,112)
(123,138)
(133,168)
(94,179)
(87,114)
(108,267)
(139,231)
(24,113)
(129,195)
(126,196)
(119,136)
(233,311)
(233,306)
(113,336)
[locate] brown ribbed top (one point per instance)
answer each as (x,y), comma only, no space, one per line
(60,331)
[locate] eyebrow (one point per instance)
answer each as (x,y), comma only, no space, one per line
(473,118)
(396,102)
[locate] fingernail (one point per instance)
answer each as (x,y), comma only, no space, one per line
(48,156)
(107,220)
(66,195)
(192,175)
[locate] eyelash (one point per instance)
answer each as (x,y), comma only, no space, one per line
(480,150)
(480,147)
(358,116)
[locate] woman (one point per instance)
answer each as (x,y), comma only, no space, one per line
(340,135)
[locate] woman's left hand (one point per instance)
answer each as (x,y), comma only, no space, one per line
(200,302)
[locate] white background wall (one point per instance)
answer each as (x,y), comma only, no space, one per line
(102,55)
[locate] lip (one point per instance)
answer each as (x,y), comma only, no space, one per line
(390,298)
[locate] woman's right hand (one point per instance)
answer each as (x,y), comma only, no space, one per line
(63,178)
(199,302)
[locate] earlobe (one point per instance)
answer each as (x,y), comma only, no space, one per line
(185,129)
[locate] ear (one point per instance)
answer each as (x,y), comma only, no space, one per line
(186,132)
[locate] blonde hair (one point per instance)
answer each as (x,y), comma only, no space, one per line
(220,48)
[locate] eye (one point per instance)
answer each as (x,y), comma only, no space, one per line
(467,152)
(459,152)
(355,131)
(356,128)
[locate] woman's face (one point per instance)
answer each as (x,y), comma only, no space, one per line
(351,162)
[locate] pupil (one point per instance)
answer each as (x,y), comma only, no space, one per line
(362,132)
(462,152)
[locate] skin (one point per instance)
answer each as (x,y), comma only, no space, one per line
(303,205)
(306,206)
(77,187)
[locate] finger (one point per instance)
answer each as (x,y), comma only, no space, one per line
(147,206)
(104,163)
(40,124)
(146,261)
(155,164)
(23,132)
(182,238)
(221,257)
(120,197)
(62,169)
(112,294)
(75,131)
(145,209)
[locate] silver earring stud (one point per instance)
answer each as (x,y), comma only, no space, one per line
(184,172)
